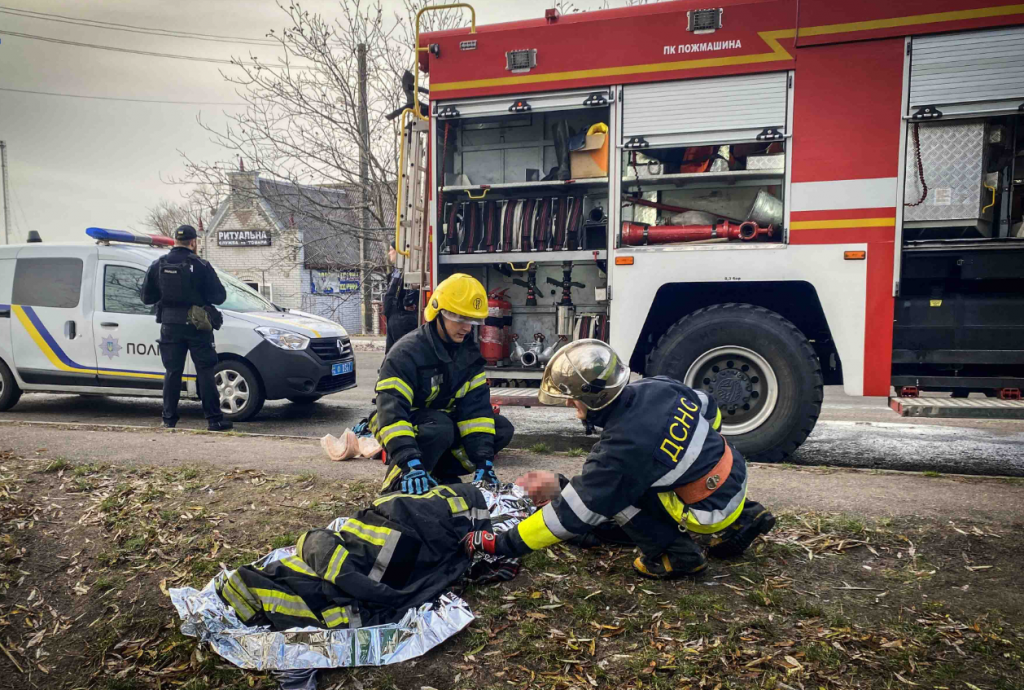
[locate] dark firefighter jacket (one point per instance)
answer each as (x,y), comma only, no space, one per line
(419,373)
(658,435)
(204,286)
(402,552)
(400,320)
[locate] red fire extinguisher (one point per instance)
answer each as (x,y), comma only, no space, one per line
(495,341)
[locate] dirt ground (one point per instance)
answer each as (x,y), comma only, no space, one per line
(828,600)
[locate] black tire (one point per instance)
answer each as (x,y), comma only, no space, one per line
(304,399)
(235,377)
(772,426)
(10,392)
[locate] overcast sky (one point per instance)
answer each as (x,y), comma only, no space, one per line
(75,162)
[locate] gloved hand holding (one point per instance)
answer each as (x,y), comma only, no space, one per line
(479,541)
(416,480)
(485,473)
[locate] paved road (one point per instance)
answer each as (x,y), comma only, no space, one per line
(852,432)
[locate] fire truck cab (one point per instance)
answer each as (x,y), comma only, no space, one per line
(757,198)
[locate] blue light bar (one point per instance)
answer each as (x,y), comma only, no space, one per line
(105,235)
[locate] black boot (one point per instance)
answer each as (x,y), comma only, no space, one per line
(560,134)
(222,425)
(737,537)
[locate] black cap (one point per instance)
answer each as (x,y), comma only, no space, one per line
(185,233)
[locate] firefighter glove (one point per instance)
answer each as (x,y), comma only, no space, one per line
(485,473)
(479,542)
(416,480)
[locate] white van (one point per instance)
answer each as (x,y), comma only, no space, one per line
(72,321)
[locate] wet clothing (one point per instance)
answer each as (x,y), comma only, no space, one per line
(657,436)
(197,284)
(399,320)
(422,382)
(401,552)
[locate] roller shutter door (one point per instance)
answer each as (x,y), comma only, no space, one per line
(705,111)
(975,72)
(532,103)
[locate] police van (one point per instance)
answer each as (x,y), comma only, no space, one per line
(72,321)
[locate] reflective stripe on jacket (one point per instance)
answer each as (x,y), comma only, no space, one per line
(401,552)
(658,435)
(419,373)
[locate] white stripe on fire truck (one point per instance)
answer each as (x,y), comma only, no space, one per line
(839,195)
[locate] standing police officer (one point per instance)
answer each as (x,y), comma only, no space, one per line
(181,285)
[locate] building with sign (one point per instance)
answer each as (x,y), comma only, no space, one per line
(297,245)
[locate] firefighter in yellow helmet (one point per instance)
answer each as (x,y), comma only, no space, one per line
(434,414)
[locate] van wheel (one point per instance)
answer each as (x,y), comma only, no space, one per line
(10,393)
(760,369)
(304,399)
(241,397)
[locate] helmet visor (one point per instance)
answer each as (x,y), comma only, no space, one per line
(452,316)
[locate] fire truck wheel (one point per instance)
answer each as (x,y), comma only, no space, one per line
(761,370)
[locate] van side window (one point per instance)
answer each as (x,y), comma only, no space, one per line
(47,282)
(122,291)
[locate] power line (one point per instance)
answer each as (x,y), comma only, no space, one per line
(147,53)
(113,98)
(113,26)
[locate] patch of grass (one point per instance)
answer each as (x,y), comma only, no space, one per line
(539,448)
(103,583)
(86,469)
(807,609)
(283,540)
(823,654)
(84,485)
(931,473)
(58,464)
(188,472)
(759,597)
(202,568)
(108,504)
(575,452)
(306,478)
(698,602)
(135,544)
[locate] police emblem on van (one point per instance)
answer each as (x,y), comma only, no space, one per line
(109,347)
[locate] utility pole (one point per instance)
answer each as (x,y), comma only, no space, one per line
(7,200)
(364,183)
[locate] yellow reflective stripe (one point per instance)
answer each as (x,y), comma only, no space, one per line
(718,420)
(694,526)
(483,425)
(462,391)
(673,506)
(296,564)
(275,601)
(395,471)
(374,535)
(334,566)
(458,504)
(395,383)
(334,617)
(463,458)
(477,381)
(395,430)
(299,544)
(239,597)
(434,390)
(535,533)
(436,492)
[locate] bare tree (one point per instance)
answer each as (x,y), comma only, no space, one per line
(167,215)
(301,120)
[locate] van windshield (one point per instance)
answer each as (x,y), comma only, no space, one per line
(241,297)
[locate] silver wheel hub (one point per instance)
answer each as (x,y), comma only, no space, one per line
(233,390)
(742,383)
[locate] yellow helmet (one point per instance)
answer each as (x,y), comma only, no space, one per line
(461,297)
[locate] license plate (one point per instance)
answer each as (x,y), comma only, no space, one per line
(341,368)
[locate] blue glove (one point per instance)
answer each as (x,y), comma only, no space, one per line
(416,480)
(485,473)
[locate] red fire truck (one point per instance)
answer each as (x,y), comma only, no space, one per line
(758,198)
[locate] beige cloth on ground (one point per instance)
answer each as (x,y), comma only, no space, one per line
(349,446)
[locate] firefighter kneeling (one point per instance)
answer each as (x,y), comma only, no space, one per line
(660,470)
(434,412)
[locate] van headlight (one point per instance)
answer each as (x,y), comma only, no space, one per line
(286,340)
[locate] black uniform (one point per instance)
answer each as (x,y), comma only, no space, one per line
(402,552)
(399,320)
(658,435)
(433,403)
(191,281)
